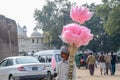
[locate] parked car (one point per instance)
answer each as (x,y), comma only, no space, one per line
(22,68)
(46,57)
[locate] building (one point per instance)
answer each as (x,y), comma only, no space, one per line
(8,37)
(31,44)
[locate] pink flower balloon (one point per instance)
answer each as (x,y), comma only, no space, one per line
(76,34)
(80,14)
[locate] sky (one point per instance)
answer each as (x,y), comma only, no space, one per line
(22,10)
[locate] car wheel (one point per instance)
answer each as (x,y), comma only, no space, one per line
(49,76)
(11,78)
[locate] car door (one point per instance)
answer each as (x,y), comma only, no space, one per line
(3,69)
(8,68)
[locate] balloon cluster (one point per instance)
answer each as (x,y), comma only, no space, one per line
(75,34)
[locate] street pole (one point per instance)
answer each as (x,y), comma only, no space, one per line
(9,34)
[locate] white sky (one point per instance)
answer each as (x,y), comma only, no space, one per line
(22,10)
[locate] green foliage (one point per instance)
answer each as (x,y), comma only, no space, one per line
(112,25)
(105,1)
(109,12)
(51,19)
(103,10)
(46,16)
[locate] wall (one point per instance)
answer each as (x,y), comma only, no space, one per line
(8,37)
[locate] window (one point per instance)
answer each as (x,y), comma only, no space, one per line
(58,57)
(45,59)
(41,59)
(3,63)
(33,40)
(24,60)
(48,58)
(33,51)
(9,62)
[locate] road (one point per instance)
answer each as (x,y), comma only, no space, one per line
(83,74)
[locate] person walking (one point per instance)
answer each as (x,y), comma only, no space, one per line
(113,62)
(102,64)
(91,63)
(96,58)
(63,66)
(108,62)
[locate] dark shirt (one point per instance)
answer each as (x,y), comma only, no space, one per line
(113,61)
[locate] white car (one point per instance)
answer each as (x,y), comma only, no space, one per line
(22,68)
(46,57)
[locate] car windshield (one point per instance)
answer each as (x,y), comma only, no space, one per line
(24,60)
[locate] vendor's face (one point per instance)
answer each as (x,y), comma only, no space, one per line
(64,56)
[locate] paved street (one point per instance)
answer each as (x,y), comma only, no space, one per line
(83,74)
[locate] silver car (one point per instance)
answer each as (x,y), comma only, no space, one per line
(22,68)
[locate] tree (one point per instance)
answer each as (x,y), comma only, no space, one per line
(112,25)
(45,17)
(109,12)
(51,19)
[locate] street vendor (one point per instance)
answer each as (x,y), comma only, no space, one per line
(63,66)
